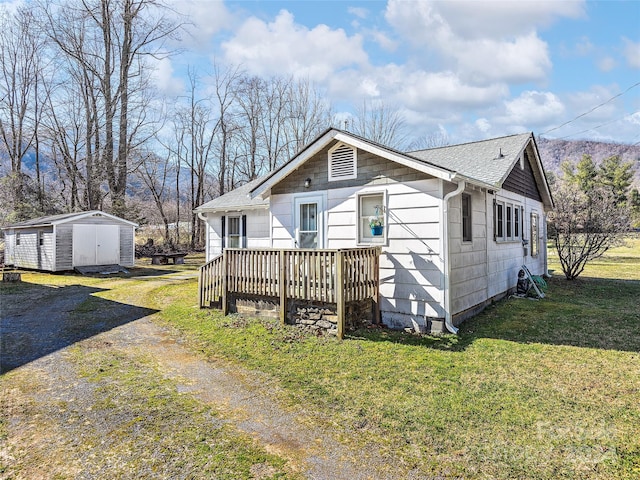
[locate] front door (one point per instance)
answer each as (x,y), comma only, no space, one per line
(309,222)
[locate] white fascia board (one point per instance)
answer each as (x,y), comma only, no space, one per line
(231,208)
(396,157)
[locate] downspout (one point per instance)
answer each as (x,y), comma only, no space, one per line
(202,216)
(448,323)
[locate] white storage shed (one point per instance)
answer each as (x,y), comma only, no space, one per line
(63,242)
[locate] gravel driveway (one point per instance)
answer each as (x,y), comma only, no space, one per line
(45,332)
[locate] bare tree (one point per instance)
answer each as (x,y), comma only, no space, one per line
(308,114)
(379,122)
(430,140)
(154,172)
(585,225)
(108,41)
(20,75)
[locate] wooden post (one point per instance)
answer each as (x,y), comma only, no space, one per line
(225,284)
(340,306)
(282,286)
(376,269)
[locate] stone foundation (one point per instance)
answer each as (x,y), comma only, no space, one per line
(315,316)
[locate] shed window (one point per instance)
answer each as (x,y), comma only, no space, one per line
(17,239)
(40,239)
(342,162)
(466,218)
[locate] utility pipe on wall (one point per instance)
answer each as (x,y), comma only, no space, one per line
(448,323)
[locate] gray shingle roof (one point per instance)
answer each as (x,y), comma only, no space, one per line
(237,198)
(478,160)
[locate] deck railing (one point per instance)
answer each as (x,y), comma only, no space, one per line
(329,276)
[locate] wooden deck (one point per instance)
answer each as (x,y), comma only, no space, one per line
(328,276)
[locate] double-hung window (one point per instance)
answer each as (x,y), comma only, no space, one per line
(233,232)
(507,221)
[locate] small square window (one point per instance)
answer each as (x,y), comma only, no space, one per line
(372,220)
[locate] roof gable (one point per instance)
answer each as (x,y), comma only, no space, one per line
(492,162)
(262,189)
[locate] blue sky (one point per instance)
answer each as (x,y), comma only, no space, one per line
(470,70)
(463,69)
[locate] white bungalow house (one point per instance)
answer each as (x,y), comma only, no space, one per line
(457,221)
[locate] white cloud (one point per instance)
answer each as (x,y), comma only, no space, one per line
(424,91)
(203,20)
(285,47)
(632,53)
(358,12)
(533,108)
(580,102)
(165,81)
(12,6)
(483,41)
(584,47)
(606,64)
(483,125)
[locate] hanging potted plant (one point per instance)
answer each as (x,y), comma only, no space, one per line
(376,223)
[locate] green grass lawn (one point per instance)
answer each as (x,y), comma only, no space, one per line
(531,389)
(528,389)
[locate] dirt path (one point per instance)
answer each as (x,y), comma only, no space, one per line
(247,401)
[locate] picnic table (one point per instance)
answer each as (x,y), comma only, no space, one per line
(177,258)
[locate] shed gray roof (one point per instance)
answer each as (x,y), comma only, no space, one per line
(481,160)
(63,218)
(237,198)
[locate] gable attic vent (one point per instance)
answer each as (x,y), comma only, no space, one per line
(342,162)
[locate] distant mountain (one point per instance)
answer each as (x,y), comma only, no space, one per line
(554,152)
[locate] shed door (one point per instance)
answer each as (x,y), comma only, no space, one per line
(96,245)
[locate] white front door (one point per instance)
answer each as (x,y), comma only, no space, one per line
(309,221)
(96,245)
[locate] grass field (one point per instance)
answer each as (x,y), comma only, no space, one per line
(528,389)
(531,389)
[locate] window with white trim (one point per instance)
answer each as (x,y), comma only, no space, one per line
(466,218)
(234,234)
(342,162)
(17,238)
(507,221)
(372,218)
